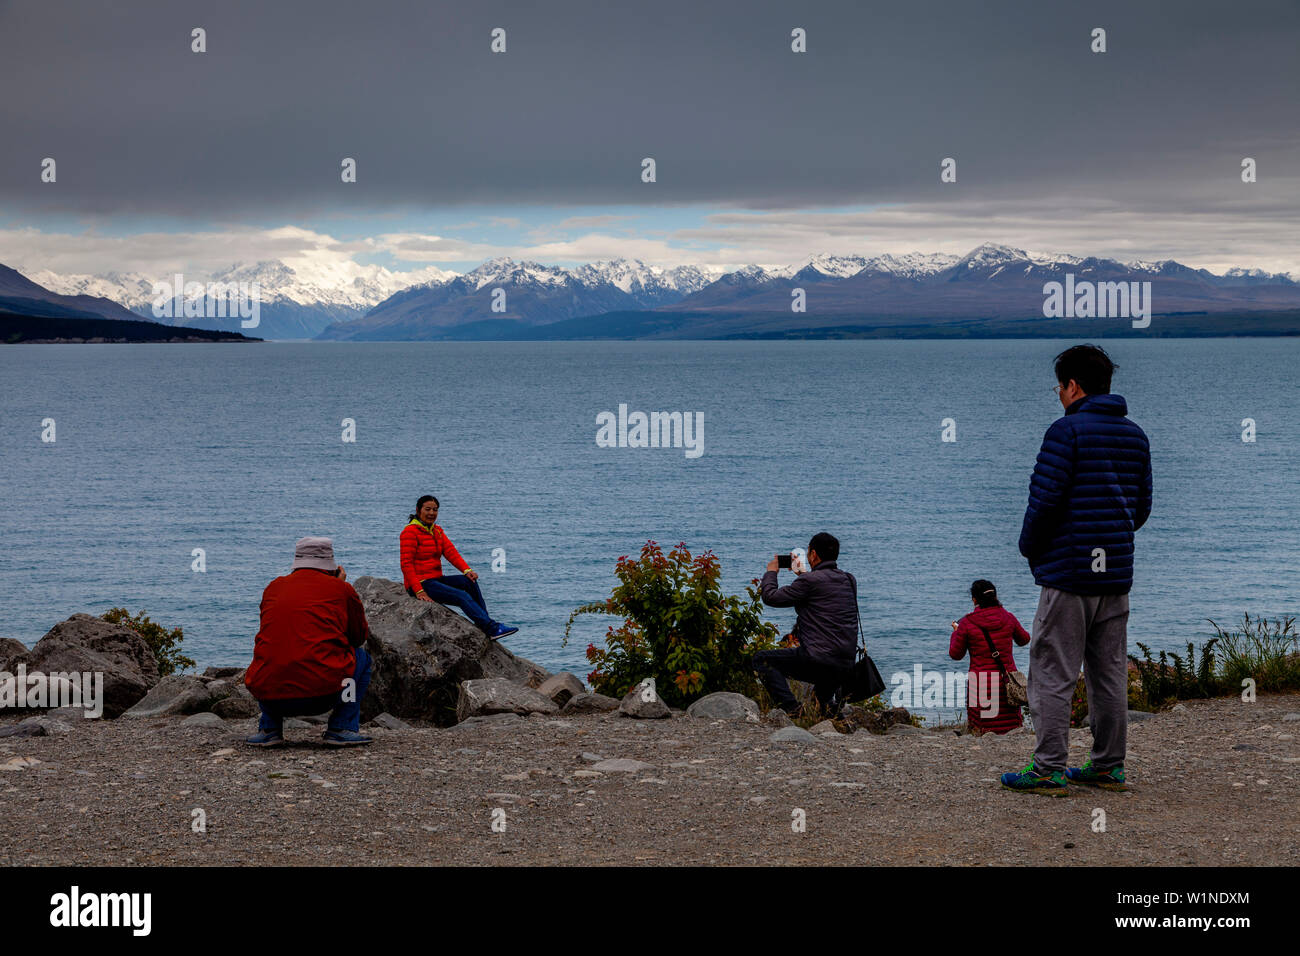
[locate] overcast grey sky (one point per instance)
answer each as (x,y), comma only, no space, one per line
(760,151)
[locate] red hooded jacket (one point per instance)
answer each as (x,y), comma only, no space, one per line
(311,621)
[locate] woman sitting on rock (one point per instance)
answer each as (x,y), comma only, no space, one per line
(424,545)
(968,635)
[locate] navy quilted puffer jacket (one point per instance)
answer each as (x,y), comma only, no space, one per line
(1091,488)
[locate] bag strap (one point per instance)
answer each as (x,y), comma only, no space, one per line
(862,641)
(997,656)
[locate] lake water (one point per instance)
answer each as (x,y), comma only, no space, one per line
(237,450)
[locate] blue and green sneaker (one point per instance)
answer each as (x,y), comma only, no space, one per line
(1050,783)
(1112,779)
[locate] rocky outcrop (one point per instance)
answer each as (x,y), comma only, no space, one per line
(239,702)
(175,694)
(496,695)
(86,644)
(10,650)
(423,652)
(724,705)
(562,687)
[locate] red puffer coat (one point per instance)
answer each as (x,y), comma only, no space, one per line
(422,553)
(1005,631)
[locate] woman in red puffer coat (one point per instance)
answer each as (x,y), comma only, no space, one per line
(967,637)
(423,546)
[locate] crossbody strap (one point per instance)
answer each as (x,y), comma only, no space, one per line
(862,641)
(997,656)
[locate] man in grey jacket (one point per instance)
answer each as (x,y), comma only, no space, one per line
(826,626)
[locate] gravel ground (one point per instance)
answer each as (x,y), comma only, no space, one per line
(1214,783)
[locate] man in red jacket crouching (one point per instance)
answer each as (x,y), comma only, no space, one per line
(308,657)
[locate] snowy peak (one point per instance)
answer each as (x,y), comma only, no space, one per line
(830,267)
(644,282)
(130,289)
(911,265)
(991,255)
(525,273)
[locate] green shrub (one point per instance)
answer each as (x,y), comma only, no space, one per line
(1163,682)
(1268,652)
(678,628)
(165,644)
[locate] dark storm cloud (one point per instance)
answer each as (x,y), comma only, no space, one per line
(258,124)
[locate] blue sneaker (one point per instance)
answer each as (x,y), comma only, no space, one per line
(499,631)
(345,738)
(266,738)
(1112,779)
(1050,783)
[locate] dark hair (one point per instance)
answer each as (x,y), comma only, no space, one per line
(420,504)
(1089,365)
(826,545)
(985,594)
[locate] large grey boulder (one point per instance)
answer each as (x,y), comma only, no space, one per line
(644,703)
(590,704)
(10,649)
(174,694)
(87,644)
(724,705)
(496,695)
(562,687)
(423,652)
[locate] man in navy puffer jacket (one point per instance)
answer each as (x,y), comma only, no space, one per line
(1090,491)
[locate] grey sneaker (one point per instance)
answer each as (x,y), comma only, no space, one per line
(266,738)
(345,738)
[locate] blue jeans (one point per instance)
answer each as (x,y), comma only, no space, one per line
(344,715)
(459,591)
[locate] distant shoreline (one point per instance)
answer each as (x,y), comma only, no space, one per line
(18,329)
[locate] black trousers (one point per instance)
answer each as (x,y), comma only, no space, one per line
(775,668)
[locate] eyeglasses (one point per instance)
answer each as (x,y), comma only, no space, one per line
(1057,388)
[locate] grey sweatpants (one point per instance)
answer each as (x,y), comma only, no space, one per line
(1072,630)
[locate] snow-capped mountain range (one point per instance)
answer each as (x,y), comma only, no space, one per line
(341,283)
(297,301)
(344,300)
